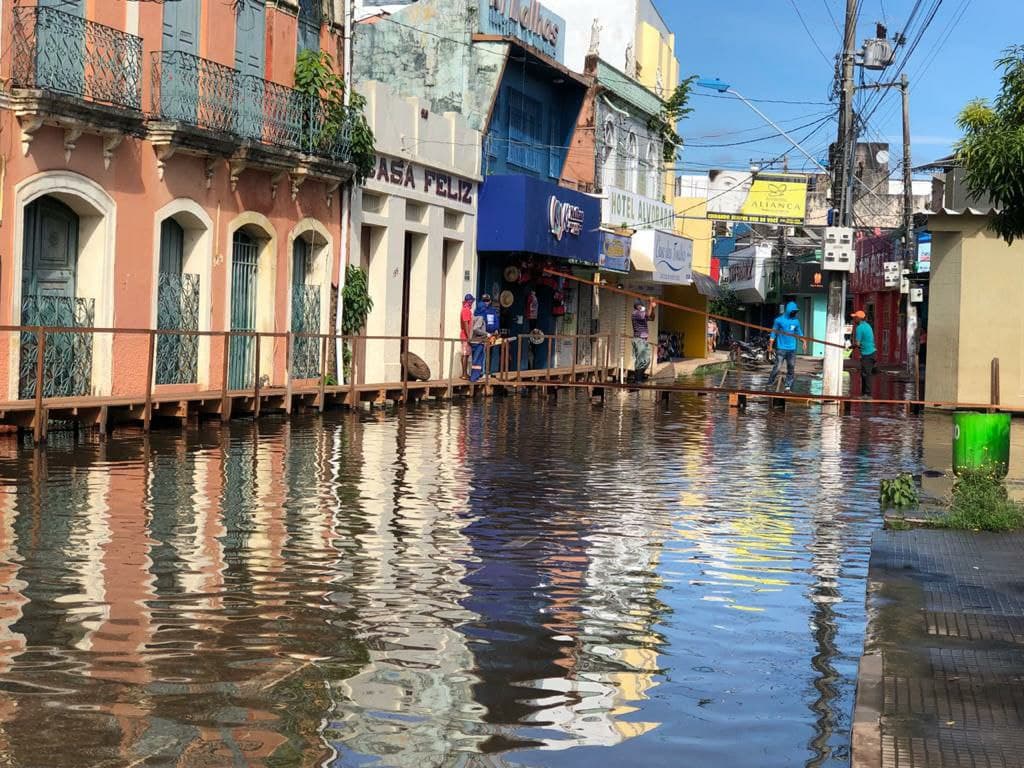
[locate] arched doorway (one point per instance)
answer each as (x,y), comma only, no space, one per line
(306,310)
(245,253)
(48,298)
(177,355)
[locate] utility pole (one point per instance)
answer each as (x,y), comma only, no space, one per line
(842,201)
(910,242)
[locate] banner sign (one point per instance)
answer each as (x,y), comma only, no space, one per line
(762,198)
(614,255)
(526,20)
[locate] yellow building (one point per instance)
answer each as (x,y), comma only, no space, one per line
(976,281)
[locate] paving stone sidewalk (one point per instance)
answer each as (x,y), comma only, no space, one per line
(942,680)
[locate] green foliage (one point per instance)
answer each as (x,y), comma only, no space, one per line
(726,304)
(355,301)
(980,503)
(899,491)
(315,76)
(665,124)
(992,148)
(355,308)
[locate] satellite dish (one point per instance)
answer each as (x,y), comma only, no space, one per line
(882,157)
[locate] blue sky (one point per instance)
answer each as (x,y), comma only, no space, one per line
(762,50)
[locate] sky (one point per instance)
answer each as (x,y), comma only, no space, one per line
(762,50)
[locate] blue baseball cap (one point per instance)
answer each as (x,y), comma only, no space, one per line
(468,297)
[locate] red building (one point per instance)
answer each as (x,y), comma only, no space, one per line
(880,303)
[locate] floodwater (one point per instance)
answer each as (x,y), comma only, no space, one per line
(509,582)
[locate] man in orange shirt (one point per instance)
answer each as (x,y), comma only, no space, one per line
(465,327)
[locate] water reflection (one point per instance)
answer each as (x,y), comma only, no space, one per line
(512,582)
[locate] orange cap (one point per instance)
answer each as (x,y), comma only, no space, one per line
(859,314)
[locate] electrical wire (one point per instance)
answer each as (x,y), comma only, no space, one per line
(814,40)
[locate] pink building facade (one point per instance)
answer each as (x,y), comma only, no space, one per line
(160,171)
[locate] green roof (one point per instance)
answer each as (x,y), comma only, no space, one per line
(627,89)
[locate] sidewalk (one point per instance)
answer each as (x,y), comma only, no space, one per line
(942,679)
(673,369)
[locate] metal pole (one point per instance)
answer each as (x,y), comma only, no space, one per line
(842,156)
(910,243)
(38,433)
(147,411)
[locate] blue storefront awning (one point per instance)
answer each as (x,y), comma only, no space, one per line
(521,213)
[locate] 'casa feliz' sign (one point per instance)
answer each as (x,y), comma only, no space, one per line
(391,172)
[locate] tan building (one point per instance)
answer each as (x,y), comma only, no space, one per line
(974,315)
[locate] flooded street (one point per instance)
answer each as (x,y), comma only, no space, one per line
(508,582)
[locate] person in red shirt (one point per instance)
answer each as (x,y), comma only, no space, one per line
(465,326)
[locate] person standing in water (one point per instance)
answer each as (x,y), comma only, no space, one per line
(785,331)
(864,342)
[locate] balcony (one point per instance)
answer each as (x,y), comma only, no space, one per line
(76,74)
(200,105)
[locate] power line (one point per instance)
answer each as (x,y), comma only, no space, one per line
(810,34)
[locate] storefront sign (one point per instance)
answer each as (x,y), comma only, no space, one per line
(747,273)
(667,256)
(524,214)
(396,172)
(525,20)
(564,218)
(812,278)
(924,252)
(626,209)
(614,256)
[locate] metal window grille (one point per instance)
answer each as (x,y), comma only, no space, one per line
(177,355)
(67,359)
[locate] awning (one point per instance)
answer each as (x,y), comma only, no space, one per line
(705,285)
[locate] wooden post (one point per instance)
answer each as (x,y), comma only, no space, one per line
(147,411)
(994,395)
(451,369)
(225,400)
(256,380)
(575,354)
(403,357)
(322,385)
(38,428)
(289,351)
(547,376)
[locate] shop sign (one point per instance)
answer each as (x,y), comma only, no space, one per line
(626,209)
(526,20)
(762,198)
(667,256)
(614,255)
(564,218)
(812,278)
(747,273)
(924,252)
(396,172)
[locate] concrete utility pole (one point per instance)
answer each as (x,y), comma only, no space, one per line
(842,201)
(910,243)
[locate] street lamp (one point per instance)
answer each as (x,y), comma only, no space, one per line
(715,84)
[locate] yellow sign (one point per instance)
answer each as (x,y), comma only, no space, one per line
(761,198)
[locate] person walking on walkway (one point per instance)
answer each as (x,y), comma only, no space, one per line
(864,342)
(712,334)
(465,330)
(642,315)
(785,331)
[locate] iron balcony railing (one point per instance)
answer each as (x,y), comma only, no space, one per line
(203,93)
(63,53)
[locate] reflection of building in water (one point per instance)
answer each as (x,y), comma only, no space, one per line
(12,643)
(412,699)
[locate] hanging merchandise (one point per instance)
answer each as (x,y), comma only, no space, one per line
(506,299)
(536,336)
(511,274)
(558,310)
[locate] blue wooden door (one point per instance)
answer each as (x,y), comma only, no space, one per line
(250,28)
(49,276)
(180,72)
(60,46)
(305,313)
(242,360)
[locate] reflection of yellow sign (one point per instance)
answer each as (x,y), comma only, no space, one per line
(762,199)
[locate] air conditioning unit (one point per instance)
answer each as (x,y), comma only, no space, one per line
(838,253)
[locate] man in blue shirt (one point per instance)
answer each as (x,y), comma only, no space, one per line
(785,331)
(864,341)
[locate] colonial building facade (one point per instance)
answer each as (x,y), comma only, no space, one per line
(160,171)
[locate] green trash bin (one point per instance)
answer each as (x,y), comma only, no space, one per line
(981,441)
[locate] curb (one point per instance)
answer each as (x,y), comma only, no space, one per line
(866,746)
(702,370)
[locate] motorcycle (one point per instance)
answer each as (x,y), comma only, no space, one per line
(754,352)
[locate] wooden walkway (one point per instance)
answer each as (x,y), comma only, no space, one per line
(105,413)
